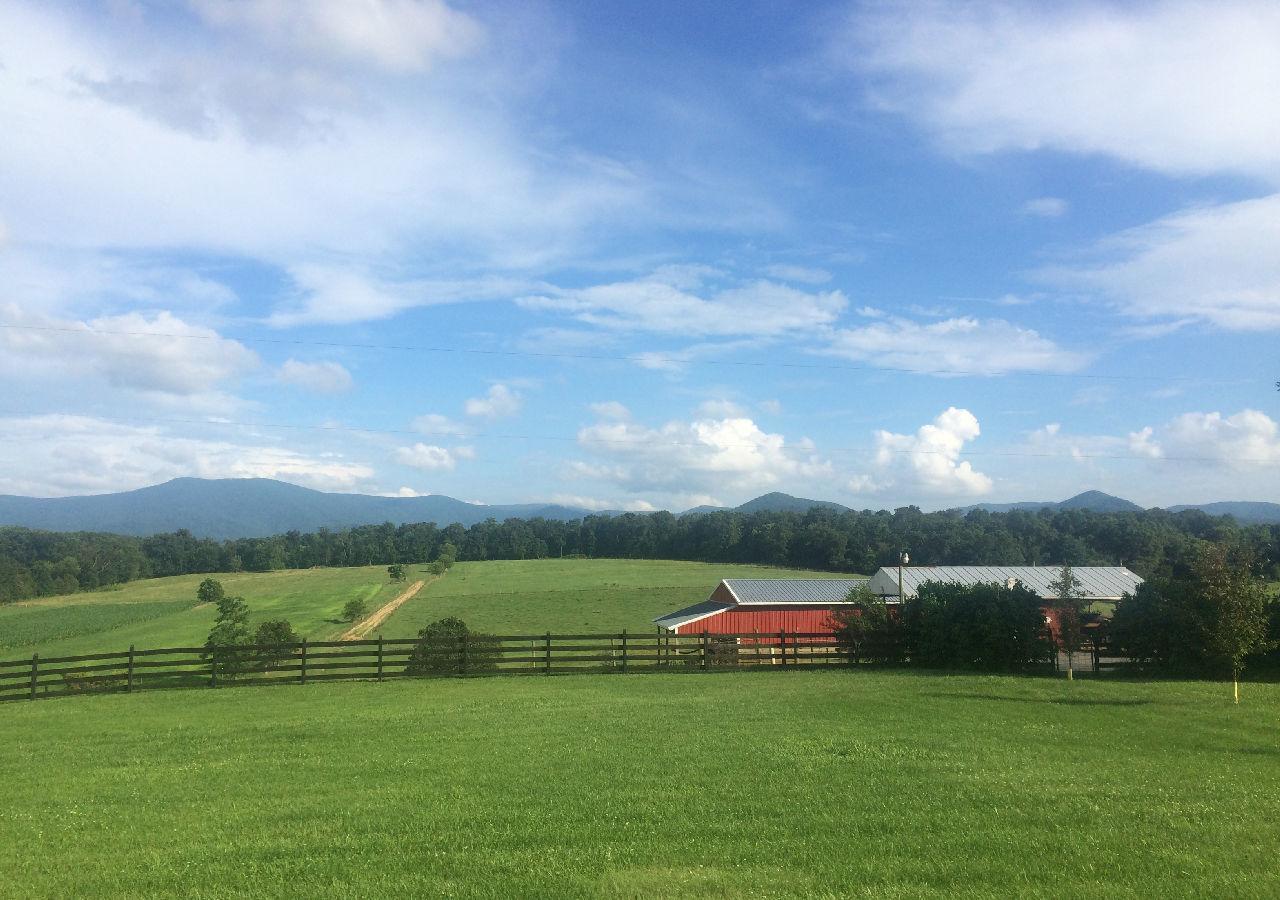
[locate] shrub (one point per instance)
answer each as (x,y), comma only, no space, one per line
(448,647)
(355,610)
(276,642)
(869,631)
(396,572)
(985,627)
(210,591)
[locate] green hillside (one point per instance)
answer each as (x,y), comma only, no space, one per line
(500,596)
(774,784)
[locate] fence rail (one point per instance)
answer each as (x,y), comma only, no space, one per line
(378,659)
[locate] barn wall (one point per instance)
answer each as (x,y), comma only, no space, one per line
(767,621)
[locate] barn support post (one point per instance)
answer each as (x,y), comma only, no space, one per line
(129,677)
(35,670)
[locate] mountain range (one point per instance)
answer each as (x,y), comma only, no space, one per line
(256,507)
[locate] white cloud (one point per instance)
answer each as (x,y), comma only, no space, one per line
(1046,207)
(396,35)
(321,377)
(57,455)
(498,403)
(966,344)
(720,409)
(704,455)
(1219,264)
(1093,449)
(434,423)
(683,305)
(1175,86)
(160,354)
(927,461)
(772,407)
(431,458)
(1246,440)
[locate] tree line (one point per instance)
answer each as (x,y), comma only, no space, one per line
(1155,544)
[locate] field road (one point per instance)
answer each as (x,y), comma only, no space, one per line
(362,628)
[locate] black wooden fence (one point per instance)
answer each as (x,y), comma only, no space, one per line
(538,654)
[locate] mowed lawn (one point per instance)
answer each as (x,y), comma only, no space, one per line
(773,784)
(570,595)
(162,612)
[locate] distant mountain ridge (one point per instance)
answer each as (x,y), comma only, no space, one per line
(258,507)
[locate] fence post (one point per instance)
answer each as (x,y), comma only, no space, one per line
(35,667)
(782,646)
(379,657)
(624,651)
(547,666)
(302,675)
(462,655)
(130,677)
(213,666)
(704,648)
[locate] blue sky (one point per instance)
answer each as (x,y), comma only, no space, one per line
(642,255)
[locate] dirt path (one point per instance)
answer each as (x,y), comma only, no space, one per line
(362,628)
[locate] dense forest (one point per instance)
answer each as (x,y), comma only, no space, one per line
(1152,543)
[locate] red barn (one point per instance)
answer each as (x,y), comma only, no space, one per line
(765,606)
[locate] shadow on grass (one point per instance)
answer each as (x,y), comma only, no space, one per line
(1059,701)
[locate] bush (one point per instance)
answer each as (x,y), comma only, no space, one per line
(276,642)
(210,591)
(448,647)
(984,627)
(355,610)
(869,631)
(225,648)
(396,572)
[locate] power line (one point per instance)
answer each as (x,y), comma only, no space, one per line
(642,359)
(643,441)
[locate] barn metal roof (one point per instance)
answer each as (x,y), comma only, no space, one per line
(704,610)
(792,590)
(1096,582)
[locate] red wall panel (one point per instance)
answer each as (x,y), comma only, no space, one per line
(767,620)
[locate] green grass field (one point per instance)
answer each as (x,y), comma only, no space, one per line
(796,784)
(162,612)
(569,595)
(503,597)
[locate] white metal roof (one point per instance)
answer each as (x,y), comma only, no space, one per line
(824,591)
(704,610)
(1096,582)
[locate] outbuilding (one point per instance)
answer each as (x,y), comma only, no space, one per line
(765,606)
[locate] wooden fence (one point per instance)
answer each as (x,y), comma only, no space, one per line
(539,654)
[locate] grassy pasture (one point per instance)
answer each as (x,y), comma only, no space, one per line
(499,596)
(774,784)
(162,612)
(569,595)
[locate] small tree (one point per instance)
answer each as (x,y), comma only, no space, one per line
(868,629)
(1238,604)
(1069,602)
(225,647)
(210,591)
(355,610)
(448,647)
(395,572)
(276,641)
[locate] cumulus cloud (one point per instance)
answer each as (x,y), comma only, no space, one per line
(57,455)
(1246,440)
(683,303)
(706,455)
(966,344)
(1218,264)
(160,353)
(1052,440)
(395,35)
(1149,83)
(610,409)
(927,461)
(498,403)
(431,458)
(321,377)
